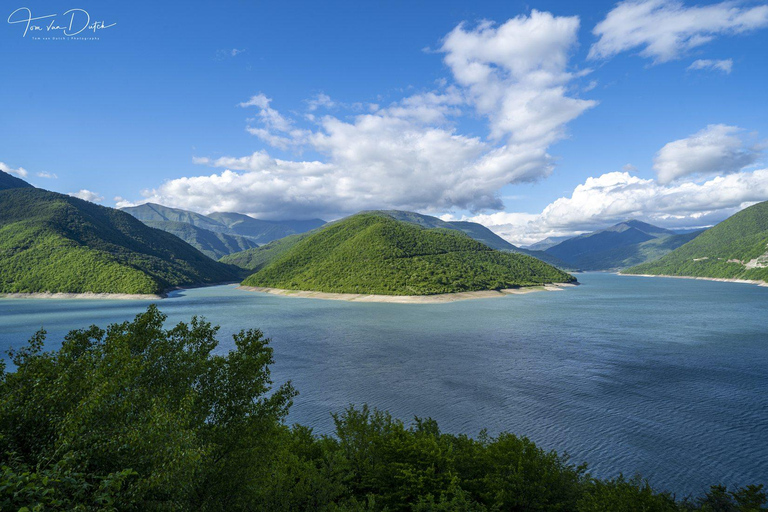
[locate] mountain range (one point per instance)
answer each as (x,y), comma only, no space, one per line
(736,248)
(255,259)
(622,245)
(220,233)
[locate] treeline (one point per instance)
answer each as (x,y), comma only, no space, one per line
(373,253)
(137,417)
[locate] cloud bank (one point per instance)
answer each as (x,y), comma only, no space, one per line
(410,154)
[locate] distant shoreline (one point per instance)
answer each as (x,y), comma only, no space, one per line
(86,295)
(408,299)
(718,279)
(107,296)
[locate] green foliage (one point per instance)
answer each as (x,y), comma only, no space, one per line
(152,414)
(57,243)
(374,253)
(621,495)
(259,257)
(720,252)
(140,417)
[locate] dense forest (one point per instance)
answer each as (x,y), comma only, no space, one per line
(737,248)
(259,257)
(374,253)
(139,417)
(52,242)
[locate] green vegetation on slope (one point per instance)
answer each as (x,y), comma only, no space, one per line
(737,248)
(212,244)
(259,257)
(140,418)
(51,242)
(374,253)
(474,230)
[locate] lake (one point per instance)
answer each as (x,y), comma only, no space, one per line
(662,377)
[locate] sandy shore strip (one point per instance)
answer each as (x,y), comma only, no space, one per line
(410,299)
(109,296)
(719,279)
(89,295)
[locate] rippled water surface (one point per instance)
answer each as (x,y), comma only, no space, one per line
(665,377)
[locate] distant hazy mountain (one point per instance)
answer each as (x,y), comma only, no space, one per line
(550,241)
(218,234)
(375,253)
(624,244)
(52,242)
(737,248)
(263,231)
(158,213)
(7,181)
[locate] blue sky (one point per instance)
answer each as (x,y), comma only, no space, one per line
(536,119)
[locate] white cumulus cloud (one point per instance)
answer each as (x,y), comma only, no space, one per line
(717,149)
(87,195)
(617,196)
(19,171)
(665,30)
(409,154)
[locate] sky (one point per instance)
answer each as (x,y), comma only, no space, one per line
(537,119)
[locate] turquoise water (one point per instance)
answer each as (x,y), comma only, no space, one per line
(665,377)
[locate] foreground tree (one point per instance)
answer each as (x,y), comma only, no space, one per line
(141,417)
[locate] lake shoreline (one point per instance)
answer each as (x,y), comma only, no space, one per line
(718,279)
(408,299)
(107,296)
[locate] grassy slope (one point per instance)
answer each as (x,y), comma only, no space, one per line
(742,237)
(53,242)
(372,253)
(212,244)
(259,257)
